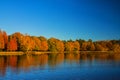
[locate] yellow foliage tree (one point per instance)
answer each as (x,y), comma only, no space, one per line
(27,43)
(44,44)
(55,45)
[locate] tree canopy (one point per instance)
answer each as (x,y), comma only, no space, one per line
(24,42)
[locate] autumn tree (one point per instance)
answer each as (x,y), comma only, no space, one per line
(2,42)
(12,44)
(44,44)
(60,46)
(72,46)
(27,43)
(37,43)
(69,46)
(104,45)
(84,46)
(90,46)
(76,46)
(80,41)
(5,36)
(21,42)
(55,45)
(116,47)
(109,45)
(18,37)
(99,47)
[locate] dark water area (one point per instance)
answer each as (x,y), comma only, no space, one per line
(68,66)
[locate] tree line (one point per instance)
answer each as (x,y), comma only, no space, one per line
(24,42)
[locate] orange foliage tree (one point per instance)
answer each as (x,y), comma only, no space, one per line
(12,44)
(2,42)
(99,47)
(21,42)
(44,44)
(69,46)
(90,46)
(18,37)
(84,46)
(116,47)
(76,46)
(27,43)
(72,46)
(37,44)
(5,36)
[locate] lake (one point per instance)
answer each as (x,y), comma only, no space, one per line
(61,66)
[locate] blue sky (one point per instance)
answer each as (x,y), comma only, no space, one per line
(63,19)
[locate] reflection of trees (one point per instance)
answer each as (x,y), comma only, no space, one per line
(3,66)
(12,62)
(41,60)
(83,56)
(69,57)
(116,57)
(60,58)
(26,62)
(91,57)
(72,57)
(102,57)
(55,59)
(77,57)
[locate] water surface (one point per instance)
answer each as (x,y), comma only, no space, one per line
(69,66)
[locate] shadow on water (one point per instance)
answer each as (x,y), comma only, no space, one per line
(27,63)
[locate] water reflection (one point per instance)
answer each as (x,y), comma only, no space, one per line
(55,59)
(26,62)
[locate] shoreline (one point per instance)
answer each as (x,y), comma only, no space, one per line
(40,52)
(11,53)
